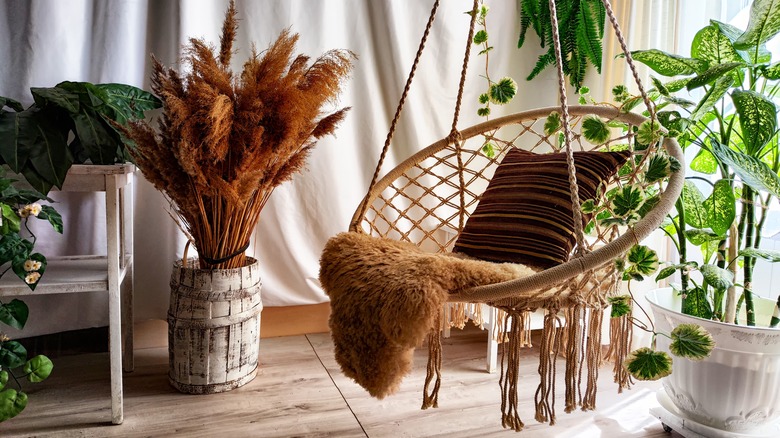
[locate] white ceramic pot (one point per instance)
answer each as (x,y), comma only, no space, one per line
(735,389)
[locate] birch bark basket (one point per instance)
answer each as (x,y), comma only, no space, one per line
(213,327)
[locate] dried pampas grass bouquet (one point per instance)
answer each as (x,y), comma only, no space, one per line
(225,142)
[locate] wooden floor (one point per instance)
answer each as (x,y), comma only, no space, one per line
(300,392)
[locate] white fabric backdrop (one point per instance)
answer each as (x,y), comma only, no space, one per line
(48,41)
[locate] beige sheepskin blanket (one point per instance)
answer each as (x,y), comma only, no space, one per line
(385,298)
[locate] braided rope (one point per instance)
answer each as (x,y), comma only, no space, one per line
(386,147)
(455,136)
(575,195)
(629,59)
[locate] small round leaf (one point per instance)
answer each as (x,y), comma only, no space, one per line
(647,364)
(691,341)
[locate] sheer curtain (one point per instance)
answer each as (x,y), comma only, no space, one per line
(48,41)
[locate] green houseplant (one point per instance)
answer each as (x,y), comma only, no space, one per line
(721,108)
(17,243)
(70,123)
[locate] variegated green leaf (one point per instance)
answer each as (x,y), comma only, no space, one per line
(691,341)
(753,172)
(693,205)
(552,123)
(695,303)
(714,94)
(700,236)
(621,305)
(704,162)
(766,254)
(595,130)
(757,119)
(667,64)
(772,71)
(712,74)
(716,277)
(721,207)
(733,33)
(647,364)
(763,25)
(711,44)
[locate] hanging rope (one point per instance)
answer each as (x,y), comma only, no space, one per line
(629,59)
(573,189)
(455,136)
(407,87)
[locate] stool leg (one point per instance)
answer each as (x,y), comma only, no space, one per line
(492,347)
(114,303)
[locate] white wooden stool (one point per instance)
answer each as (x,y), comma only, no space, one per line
(112,273)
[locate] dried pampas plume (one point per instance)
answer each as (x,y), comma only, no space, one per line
(224,142)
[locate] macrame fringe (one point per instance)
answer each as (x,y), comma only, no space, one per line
(431,399)
(572,354)
(548,354)
(514,326)
(621,332)
(593,358)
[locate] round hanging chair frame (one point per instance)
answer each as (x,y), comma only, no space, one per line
(577,265)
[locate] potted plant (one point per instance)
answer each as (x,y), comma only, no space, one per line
(732,130)
(17,255)
(70,123)
(223,144)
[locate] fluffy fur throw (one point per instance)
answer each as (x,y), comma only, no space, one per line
(385,298)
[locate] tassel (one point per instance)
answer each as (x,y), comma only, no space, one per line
(525,335)
(620,338)
(573,355)
(548,353)
(510,372)
(434,367)
(593,358)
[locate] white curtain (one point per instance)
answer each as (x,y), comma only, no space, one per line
(48,41)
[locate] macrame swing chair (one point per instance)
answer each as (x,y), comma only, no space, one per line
(391,275)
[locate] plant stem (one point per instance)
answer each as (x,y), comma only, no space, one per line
(683,246)
(748,198)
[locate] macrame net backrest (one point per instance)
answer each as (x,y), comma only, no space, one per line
(427,199)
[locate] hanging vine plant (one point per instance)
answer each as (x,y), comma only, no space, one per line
(581,24)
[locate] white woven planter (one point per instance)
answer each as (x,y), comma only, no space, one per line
(735,389)
(213,327)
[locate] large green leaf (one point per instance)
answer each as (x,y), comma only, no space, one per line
(53,158)
(763,25)
(721,207)
(48,213)
(11,103)
(757,119)
(714,94)
(693,205)
(16,142)
(11,403)
(766,254)
(753,172)
(712,45)
(58,97)
(12,354)
(704,162)
(772,71)
(667,64)
(98,138)
(716,277)
(695,303)
(14,313)
(129,102)
(712,73)
(38,368)
(700,236)
(733,33)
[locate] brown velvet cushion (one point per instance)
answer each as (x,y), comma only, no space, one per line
(525,214)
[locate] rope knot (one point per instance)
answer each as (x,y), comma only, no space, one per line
(455,137)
